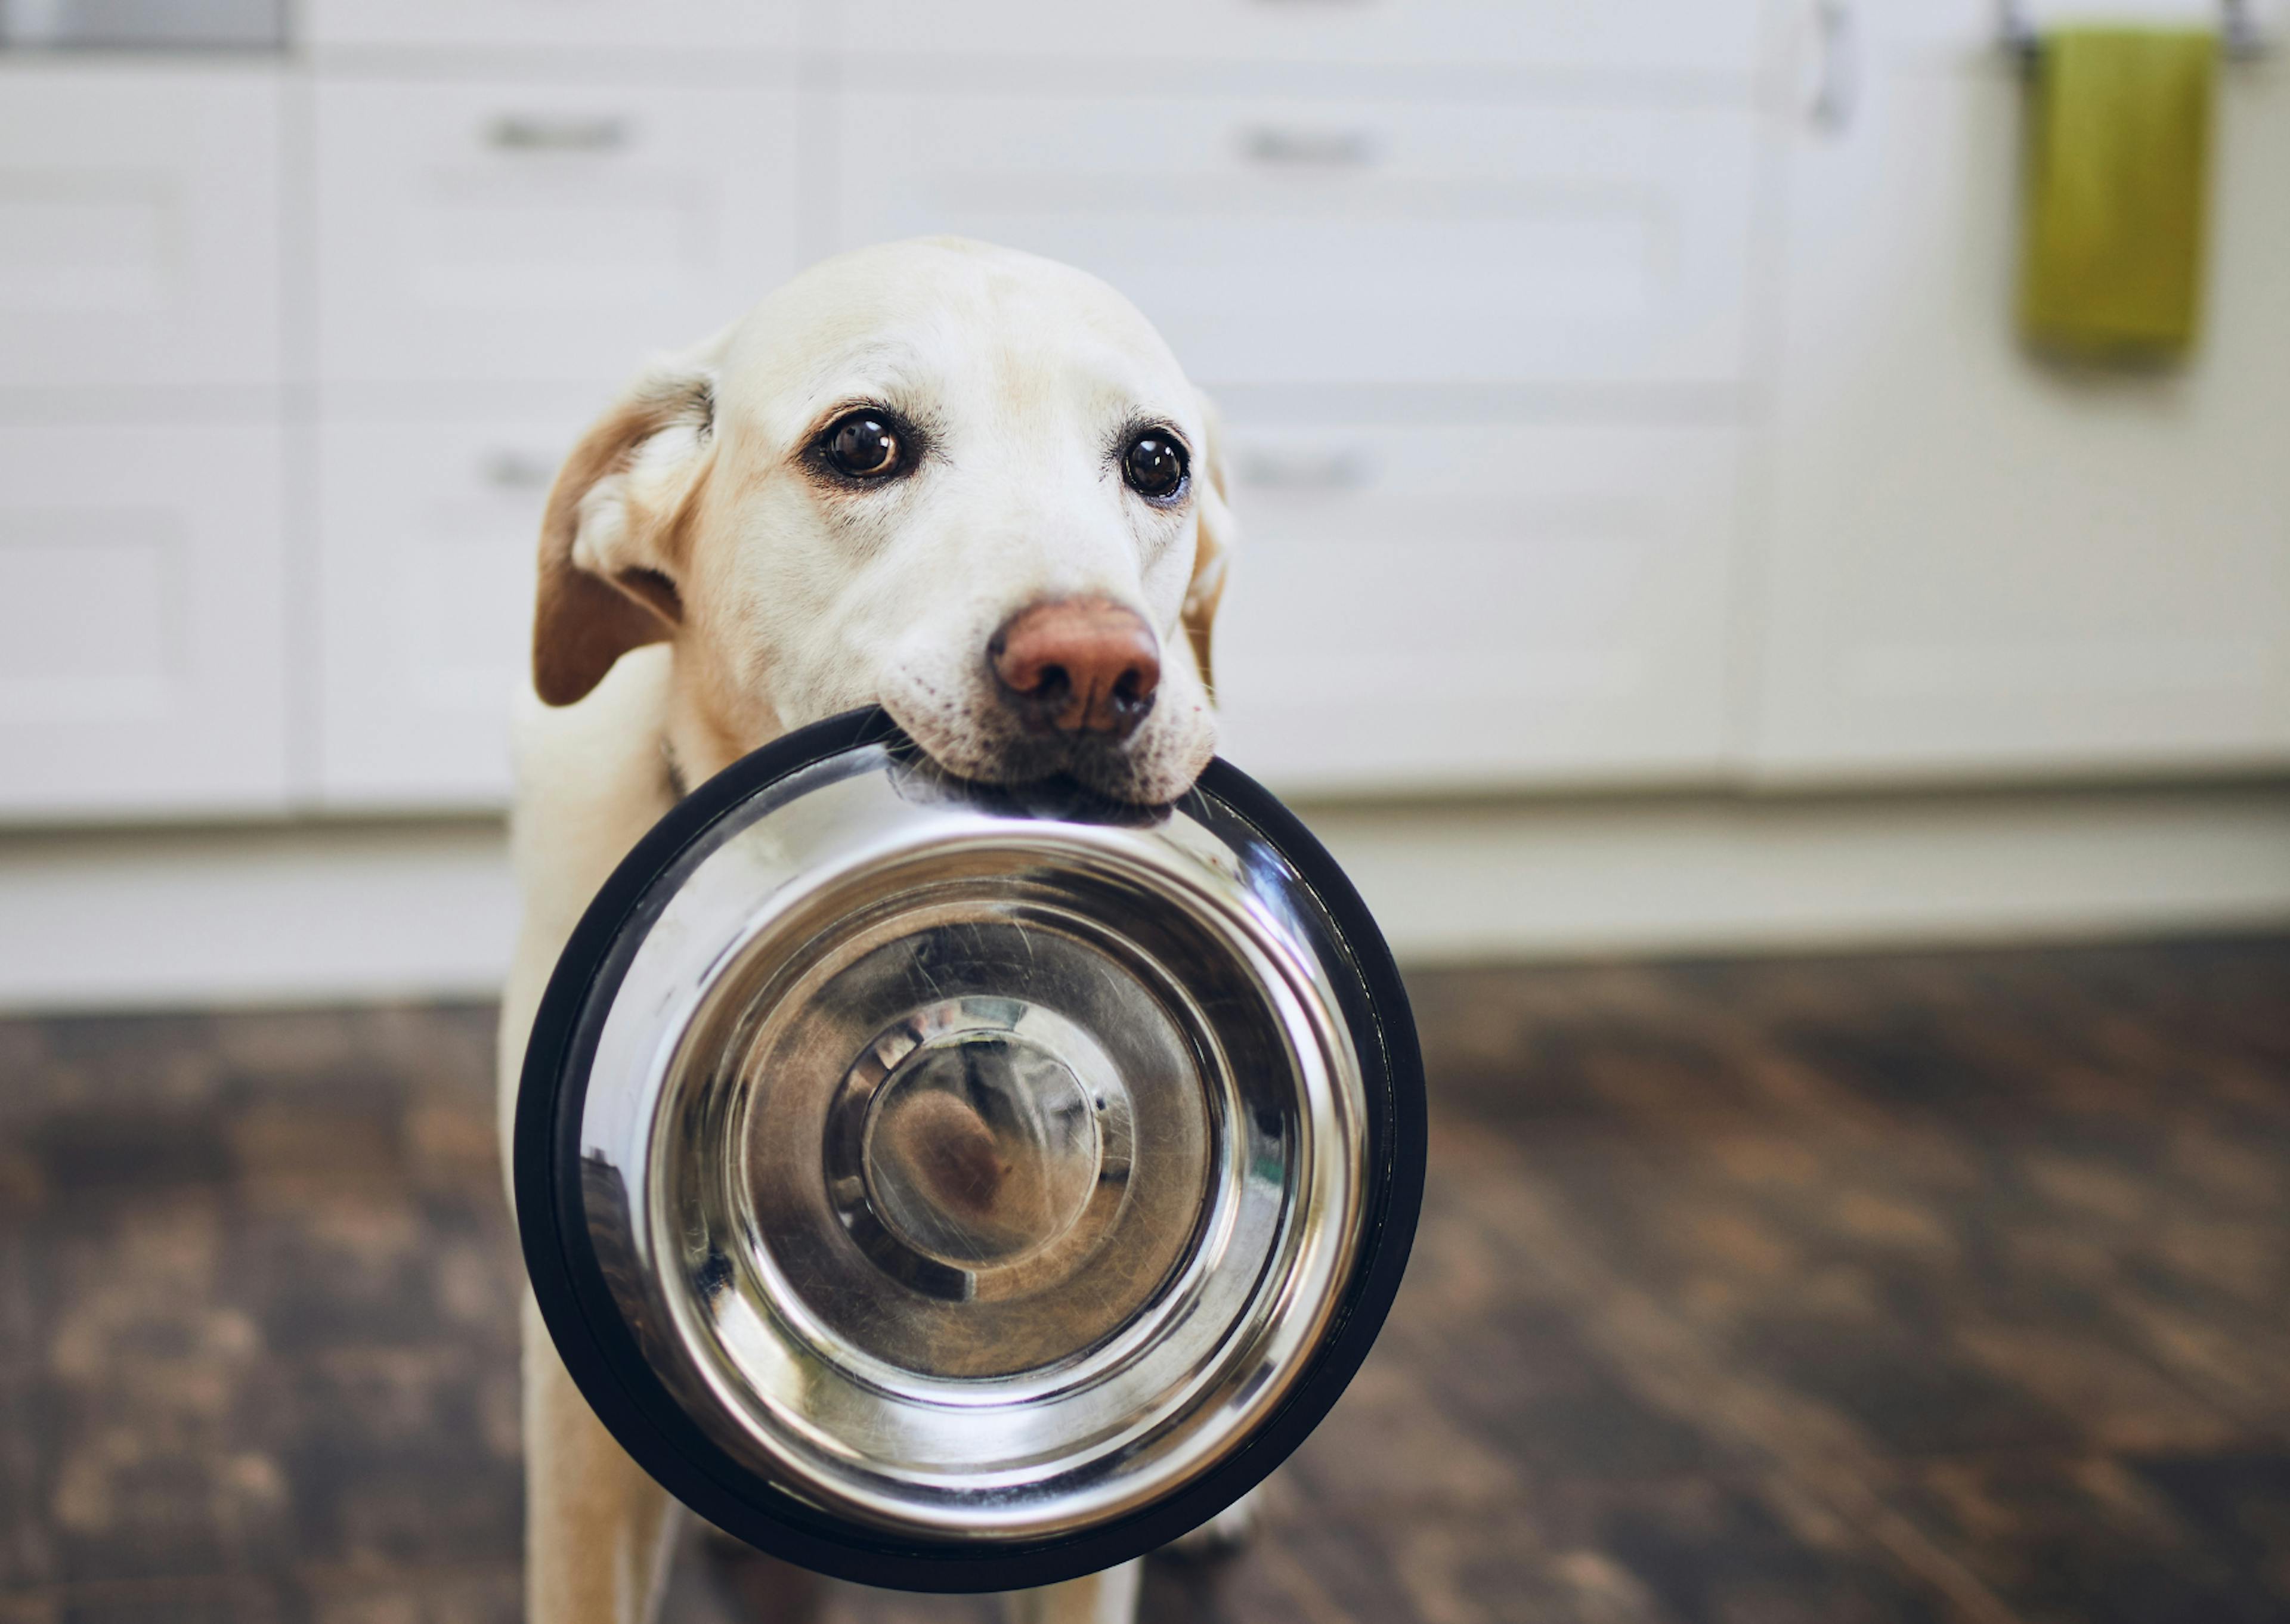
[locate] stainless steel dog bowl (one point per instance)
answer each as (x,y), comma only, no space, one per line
(965,1188)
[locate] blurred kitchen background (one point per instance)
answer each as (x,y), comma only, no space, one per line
(1660,537)
(1656,532)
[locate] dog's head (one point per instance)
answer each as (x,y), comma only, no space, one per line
(966,483)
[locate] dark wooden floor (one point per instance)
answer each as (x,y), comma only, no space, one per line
(1855,1290)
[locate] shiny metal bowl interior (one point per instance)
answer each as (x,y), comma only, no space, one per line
(968,1169)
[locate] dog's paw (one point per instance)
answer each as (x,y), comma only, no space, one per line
(755,1589)
(1220,1536)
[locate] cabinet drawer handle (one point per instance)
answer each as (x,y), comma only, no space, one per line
(516,471)
(1298,147)
(520,132)
(1837,76)
(1337,470)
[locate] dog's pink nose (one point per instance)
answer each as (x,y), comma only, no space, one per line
(1080,665)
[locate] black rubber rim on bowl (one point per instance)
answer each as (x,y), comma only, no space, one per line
(603,1359)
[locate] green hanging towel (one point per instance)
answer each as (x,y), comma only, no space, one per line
(2118,183)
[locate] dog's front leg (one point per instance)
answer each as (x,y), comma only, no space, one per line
(597,1530)
(1110,1597)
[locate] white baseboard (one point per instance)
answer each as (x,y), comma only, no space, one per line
(1734,873)
(287,913)
(315,912)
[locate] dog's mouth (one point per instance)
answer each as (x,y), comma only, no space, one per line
(1032,753)
(1001,747)
(1104,766)
(1059,796)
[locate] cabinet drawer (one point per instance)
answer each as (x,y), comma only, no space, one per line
(1663,35)
(549,24)
(1341,242)
(1474,605)
(428,534)
(138,226)
(538,232)
(142,620)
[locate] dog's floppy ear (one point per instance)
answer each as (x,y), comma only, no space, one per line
(1218,535)
(612,538)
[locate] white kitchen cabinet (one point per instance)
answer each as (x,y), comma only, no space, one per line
(549,25)
(139,225)
(1979,564)
(143,622)
(541,232)
(1312,242)
(1678,36)
(1478,605)
(426,538)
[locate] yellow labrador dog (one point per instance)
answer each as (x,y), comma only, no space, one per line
(965,482)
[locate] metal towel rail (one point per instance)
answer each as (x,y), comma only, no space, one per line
(2239,35)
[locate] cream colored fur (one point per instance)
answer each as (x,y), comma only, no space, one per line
(702,592)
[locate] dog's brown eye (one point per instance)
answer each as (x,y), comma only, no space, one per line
(862,446)
(1154,465)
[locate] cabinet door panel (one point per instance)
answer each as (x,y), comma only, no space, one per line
(138,226)
(550,24)
(542,233)
(1418,607)
(1330,242)
(141,621)
(1982,563)
(427,536)
(1665,36)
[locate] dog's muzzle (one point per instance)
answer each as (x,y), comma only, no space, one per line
(962,1189)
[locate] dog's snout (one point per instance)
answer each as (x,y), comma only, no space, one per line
(1080,665)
